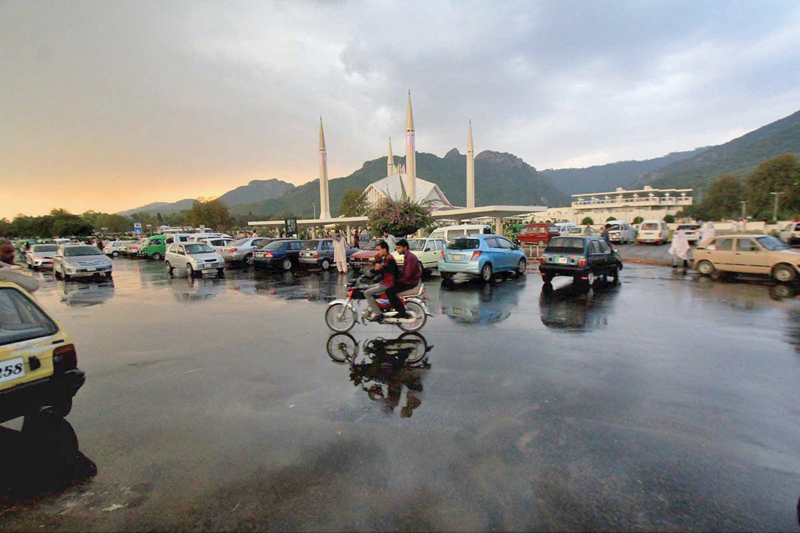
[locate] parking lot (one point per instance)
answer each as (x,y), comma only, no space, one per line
(667,402)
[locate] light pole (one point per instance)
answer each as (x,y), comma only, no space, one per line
(315,209)
(775,214)
(744,206)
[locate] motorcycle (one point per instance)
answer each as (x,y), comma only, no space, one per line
(342,314)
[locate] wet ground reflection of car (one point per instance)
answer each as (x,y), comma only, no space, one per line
(84,293)
(480,303)
(311,286)
(43,457)
(188,289)
(383,368)
(572,308)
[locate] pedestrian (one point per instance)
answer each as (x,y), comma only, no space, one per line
(355,238)
(11,272)
(587,230)
(605,235)
(389,239)
(100,243)
(707,232)
(340,252)
(679,249)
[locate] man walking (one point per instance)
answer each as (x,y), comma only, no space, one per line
(340,252)
(386,265)
(412,274)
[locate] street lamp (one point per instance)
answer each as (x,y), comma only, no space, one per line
(744,205)
(315,209)
(775,215)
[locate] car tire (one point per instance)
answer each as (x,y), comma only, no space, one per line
(62,407)
(220,272)
(156,257)
(446,275)
(548,278)
(591,279)
(286,264)
(784,273)
(108,275)
(521,268)
(706,268)
(35,269)
(248,260)
(486,273)
(169,267)
(189,270)
(114,254)
(325,264)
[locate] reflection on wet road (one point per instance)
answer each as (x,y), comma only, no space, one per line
(669,402)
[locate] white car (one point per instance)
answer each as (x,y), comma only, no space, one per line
(73,260)
(428,251)
(655,231)
(202,237)
(565,228)
(449,233)
(791,234)
(195,257)
(113,248)
(242,250)
(217,243)
(41,256)
(691,231)
(620,232)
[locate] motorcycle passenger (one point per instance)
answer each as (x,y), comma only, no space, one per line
(412,274)
(386,266)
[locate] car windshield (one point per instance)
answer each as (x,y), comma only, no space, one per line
(464,244)
(240,242)
(566,244)
(772,243)
(311,245)
(274,245)
(650,226)
(576,230)
(21,319)
(198,249)
(73,251)
(371,245)
(416,245)
(688,227)
(46,248)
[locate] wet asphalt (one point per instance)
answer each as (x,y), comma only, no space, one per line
(668,402)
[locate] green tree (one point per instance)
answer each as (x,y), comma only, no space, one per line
(354,203)
(723,199)
(780,174)
(587,220)
(638,220)
(400,217)
(609,219)
(669,219)
(211,213)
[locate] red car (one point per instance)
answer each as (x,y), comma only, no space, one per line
(537,233)
(365,258)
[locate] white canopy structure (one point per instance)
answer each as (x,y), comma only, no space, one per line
(394,187)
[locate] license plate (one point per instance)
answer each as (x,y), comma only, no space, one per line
(90,269)
(458,257)
(563,260)
(12,369)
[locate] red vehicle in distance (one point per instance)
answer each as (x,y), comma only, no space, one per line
(537,233)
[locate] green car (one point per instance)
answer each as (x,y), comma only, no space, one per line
(154,247)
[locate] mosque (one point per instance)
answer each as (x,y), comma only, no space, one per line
(402,182)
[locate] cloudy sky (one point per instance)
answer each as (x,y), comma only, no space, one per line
(108,105)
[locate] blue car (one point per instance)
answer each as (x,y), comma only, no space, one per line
(483,256)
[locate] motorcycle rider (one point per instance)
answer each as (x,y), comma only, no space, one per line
(387,266)
(412,273)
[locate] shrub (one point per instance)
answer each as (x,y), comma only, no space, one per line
(609,219)
(669,219)
(638,220)
(587,220)
(400,217)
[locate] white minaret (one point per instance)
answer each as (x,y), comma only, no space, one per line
(411,152)
(390,162)
(324,197)
(470,169)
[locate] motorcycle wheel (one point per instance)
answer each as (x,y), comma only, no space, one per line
(420,349)
(340,318)
(420,315)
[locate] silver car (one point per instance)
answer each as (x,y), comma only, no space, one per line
(80,260)
(41,256)
(241,251)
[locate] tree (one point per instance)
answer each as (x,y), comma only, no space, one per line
(400,217)
(724,197)
(609,219)
(587,220)
(780,174)
(211,213)
(669,219)
(638,220)
(354,203)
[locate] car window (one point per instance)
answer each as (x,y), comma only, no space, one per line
(505,243)
(240,242)
(172,249)
(295,245)
(440,245)
(566,244)
(275,245)
(311,245)
(416,245)
(594,247)
(746,245)
(725,245)
(772,243)
(259,242)
(604,247)
(169,240)
(464,243)
(797,227)
(45,248)
(75,251)
(491,242)
(21,319)
(326,245)
(650,226)
(454,234)
(197,249)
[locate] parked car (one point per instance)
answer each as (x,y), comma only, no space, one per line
(195,257)
(691,230)
(748,254)
(791,233)
(319,253)
(38,361)
(203,236)
(365,257)
(279,253)
(428,251)
(449,233)
(565,228)
(131,248)
(655,231)
(241,251)
(620,232)
(113,248)
(481,255)
(577,231)
(584,259)
(216,243)
(539,233)
(41,256)
(73,260)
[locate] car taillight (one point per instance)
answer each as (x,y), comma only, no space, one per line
(582,262)
(442,254)
(543,260)
(267,254)
(38,257)
(65,358)
(475,255)
(316,256)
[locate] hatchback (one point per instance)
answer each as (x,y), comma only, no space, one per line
(481,255)
(584,259)
(319,252)
(241,251)
(195,257)
(41,256)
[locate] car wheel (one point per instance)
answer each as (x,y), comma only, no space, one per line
(547,278)
(326,264)
(64,275)
(220,272)
(287,264)
(189,270)
(705,268)
(486,272)
(115,254)
(784,273)
(169,267)
(615,275)
(248,260)
(36,269)
(108,275)
(156,256)
(521,267)
(591,279)
(446,275)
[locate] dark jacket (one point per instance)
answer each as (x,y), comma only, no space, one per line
(389,271)
(412,270)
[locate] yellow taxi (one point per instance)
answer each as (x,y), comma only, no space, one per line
(38,362)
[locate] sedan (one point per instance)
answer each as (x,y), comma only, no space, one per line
(483,256)
(365,257)
(241,251)
(281,254)
(748,254)
(74,260)
(41,256)
(195,257)
(584,259)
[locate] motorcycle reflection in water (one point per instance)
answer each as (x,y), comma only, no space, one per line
(46,457)
(383,367)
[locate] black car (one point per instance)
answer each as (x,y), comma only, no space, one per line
(279,253)
(585,259)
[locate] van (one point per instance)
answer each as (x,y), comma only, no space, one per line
(199,237)
(652,230)
(156,246)
(540,233)
(450,233)
(564,228)
(620,232)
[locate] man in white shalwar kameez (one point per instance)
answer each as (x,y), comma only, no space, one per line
(707,232)
(340,252)
(680,249)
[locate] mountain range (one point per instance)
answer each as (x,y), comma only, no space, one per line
(503,178)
